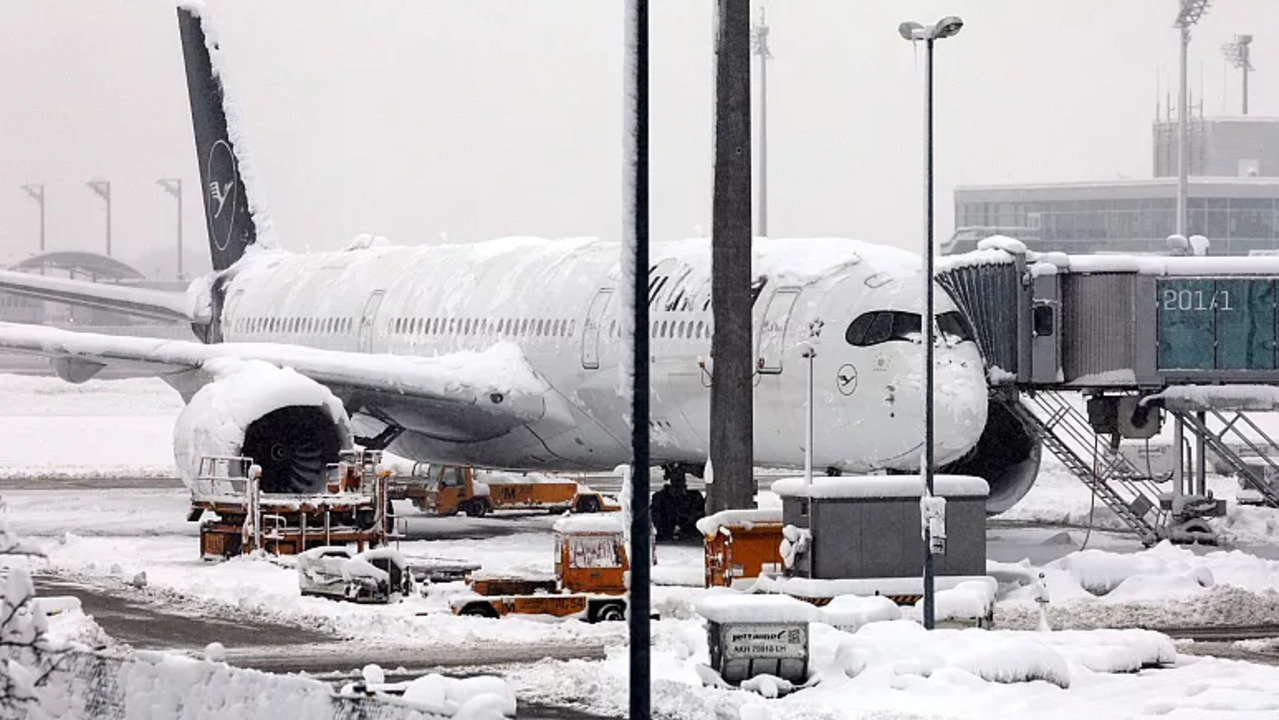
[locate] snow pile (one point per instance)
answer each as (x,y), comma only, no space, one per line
(216,419)
(850,612)
(595,523)
(472,697)
(724,520)
(795,542)
(969,600)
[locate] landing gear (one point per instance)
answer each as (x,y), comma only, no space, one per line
(675,508)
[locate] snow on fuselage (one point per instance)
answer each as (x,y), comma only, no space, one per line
(560,301)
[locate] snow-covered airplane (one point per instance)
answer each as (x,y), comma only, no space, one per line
(506,353)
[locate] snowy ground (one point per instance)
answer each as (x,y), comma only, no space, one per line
(108,536)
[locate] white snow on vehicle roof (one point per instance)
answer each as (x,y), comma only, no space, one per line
(711,524)
(873,486)
(593,523)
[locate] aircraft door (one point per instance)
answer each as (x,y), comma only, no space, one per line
(772,330)
(368,319)
(591,329)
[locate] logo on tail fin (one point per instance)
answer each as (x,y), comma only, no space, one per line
(223,188)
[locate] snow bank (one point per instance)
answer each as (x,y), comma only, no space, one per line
(873,486)
(472,697)
(158,686)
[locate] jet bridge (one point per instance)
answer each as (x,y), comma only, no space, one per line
(1100,348)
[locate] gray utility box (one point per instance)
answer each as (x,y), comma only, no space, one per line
(869,526)
(753,635)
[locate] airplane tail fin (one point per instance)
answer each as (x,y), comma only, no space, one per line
(226,202)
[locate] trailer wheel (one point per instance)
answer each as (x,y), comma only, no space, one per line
(479,609)
(588,504)
(611,612)
(476,508)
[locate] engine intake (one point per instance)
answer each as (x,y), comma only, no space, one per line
(291,426)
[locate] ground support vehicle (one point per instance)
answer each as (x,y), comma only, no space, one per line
(589,583)
(741,545)
(350,510)
(450,489)
(375,576)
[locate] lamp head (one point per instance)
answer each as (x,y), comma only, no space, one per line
(947,27)
(911,31)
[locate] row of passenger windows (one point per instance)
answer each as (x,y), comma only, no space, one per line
(295,325)
(881,326)
(514,327)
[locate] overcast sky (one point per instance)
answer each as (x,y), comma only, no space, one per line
(469,120)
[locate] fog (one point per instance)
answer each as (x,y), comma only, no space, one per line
(430,120)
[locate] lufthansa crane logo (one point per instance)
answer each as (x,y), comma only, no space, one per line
(223,190)
(846,378)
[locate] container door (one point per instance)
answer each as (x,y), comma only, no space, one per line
(772,330)
(1045,331)
(591,329)
(368,319)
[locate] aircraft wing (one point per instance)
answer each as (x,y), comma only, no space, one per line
(140,302)
(476,394)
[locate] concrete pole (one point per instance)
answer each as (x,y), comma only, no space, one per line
(732,391)
(1183,113)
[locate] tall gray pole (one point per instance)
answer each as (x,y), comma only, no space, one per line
(1183,112)
(173,186)
(761,49)
(636,204)
(1246,67)
(37,193)
(928,322)
(732,391)
(102,188)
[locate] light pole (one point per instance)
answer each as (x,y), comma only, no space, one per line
(759,45)
(914,32)
(173,186)
(103,190)
(37,193)
(1187,16)
(1238,53)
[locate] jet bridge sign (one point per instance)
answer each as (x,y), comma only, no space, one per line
(1216,323)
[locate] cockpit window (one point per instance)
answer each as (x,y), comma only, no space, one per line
(955,327)
(882,326)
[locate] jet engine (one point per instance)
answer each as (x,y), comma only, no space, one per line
(1007,456)
(291,426)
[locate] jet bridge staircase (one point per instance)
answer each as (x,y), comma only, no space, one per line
(1115,482)
(1147,340)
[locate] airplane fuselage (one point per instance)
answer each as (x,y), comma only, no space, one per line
(563,303)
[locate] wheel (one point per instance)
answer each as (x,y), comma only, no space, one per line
(476,508)
(612,612)
(477,609)
(588,504)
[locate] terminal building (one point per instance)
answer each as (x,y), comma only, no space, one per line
(1233,198)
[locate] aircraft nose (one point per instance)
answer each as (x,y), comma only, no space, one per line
(959,398)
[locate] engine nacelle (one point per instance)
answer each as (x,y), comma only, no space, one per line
(291,426)
(1007,456)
